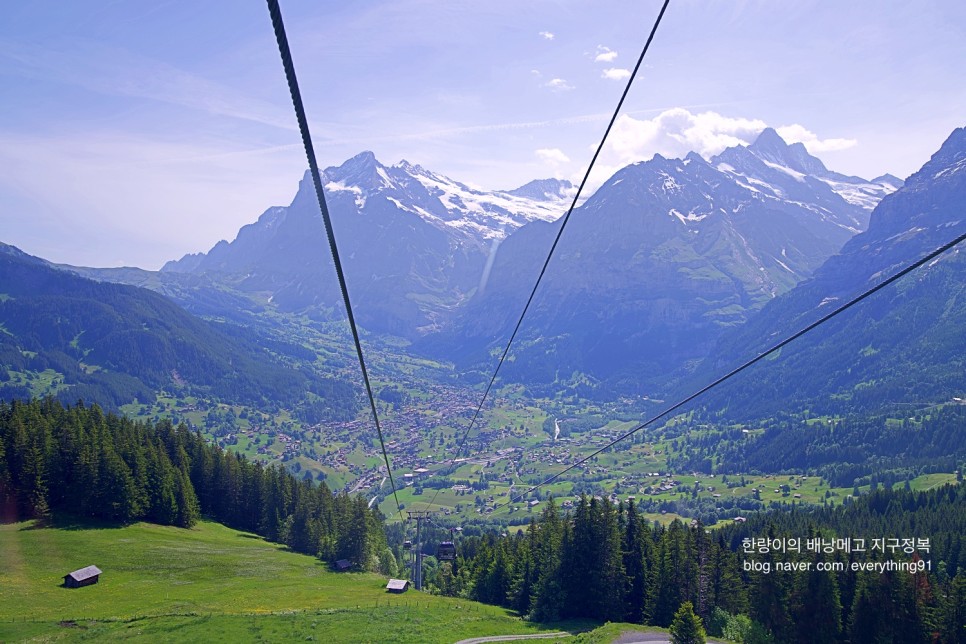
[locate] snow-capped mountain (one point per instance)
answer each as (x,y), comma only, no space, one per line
(663,257)
(655,264)
(905,344)
(774,169)
(414,243)
(445,203)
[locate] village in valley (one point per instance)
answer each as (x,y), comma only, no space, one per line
(516,443)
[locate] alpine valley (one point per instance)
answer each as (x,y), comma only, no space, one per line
(672,272)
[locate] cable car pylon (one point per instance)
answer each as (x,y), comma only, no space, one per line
(416,549)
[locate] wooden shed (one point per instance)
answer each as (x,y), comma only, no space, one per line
(83,577)
(343,564)
(397,585)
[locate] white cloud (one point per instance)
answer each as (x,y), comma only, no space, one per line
(675,132)
(558,85)
(796,133)
(605,55)
(616,73)
(547,35)
(672,133)
(552,156)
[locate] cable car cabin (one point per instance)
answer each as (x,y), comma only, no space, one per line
(446,551)
(407,545)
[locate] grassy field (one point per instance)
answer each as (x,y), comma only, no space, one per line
(611,632)
(211,583)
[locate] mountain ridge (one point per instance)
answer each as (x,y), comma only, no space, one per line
(663,257)
(116,343)
(868,352)
(656,263)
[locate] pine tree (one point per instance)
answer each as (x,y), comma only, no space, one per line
(637,554)
(549,593)
(612,580)
(816,608)
(952,612)
(578,560)
(4,476)
(770,599)
(686,627)
(884,610)
(116,494)
(673,578)
(186,501)
(162,496)
(524,572)
(868,622)
(727,589)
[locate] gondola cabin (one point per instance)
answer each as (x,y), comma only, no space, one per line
(446,551)
(407,545)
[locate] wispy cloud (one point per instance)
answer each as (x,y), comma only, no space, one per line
(558,85)
(547,35)
(458,131)
(605,55)
(116,72)
(616,73)
(552,156)
(161,197)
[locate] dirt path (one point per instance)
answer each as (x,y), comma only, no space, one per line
(511,638)
(641,637)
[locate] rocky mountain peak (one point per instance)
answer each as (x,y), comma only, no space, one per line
(948,162)
(770,147)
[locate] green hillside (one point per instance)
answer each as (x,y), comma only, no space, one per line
(74,338)
(211,583)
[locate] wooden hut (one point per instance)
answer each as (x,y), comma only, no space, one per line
(342,565)
(397,585)
(83,577)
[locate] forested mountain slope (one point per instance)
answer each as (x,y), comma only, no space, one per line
(113,344)
(904,345)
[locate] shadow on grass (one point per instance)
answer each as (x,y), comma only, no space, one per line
(67,522)
(572,626)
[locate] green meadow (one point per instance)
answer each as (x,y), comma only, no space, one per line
(211,583)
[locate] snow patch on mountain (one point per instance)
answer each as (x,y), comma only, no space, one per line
(447,204)
(686,218)
(794,174)
(767,165)
(338,186)
(953,169)
(864,195)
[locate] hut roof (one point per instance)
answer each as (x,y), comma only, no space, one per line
(343,564)
(84,573)
(397,584)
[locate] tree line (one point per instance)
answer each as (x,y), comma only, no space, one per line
(904,444)
(607,562)
(77,460)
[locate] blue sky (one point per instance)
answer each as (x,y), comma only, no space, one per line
(132,133)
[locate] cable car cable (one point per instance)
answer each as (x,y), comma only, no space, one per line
(737,370)
(563,225)
(293,87)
